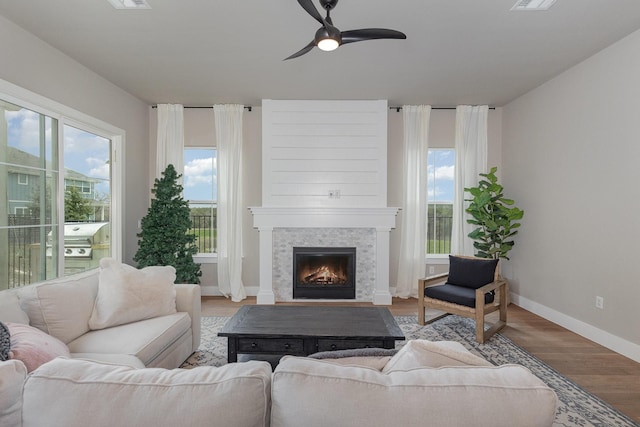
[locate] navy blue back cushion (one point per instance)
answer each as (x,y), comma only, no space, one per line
(471,272)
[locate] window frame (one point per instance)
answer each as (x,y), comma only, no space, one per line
(67,116)
(431,258)
(203,257)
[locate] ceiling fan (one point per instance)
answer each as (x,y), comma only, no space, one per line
(329,37)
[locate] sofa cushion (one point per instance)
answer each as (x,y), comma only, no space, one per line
(456,294)
(145,339)
(112,359)
(12,376)
(33,347)
(471,272)
(314,393)
(30,301)
(236,395)
(422,353)
(10,310)
(66,307)
(126,294)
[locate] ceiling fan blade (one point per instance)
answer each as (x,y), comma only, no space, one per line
(302,51)
(352,36)
(311,10)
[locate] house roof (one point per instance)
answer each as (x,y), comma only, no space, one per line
(201,52)
(16,156)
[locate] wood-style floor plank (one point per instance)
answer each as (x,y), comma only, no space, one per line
(608,375)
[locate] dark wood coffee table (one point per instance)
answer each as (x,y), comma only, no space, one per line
(303,330)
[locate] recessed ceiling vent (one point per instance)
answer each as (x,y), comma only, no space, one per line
(531,5)
(130,4)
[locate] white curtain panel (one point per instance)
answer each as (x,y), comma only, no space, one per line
(170,140)
(228,123)
(471,160)
(411,265)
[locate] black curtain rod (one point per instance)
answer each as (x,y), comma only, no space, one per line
(246,107)
(398,108)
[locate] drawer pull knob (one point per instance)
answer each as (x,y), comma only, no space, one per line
(287,346)
(334,347)
(254,345)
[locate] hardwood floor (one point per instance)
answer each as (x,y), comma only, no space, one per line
(606,374)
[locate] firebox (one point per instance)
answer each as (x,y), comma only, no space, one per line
(324,273)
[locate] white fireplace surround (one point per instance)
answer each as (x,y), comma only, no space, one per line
(381,220)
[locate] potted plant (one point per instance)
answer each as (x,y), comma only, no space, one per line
(165,237)
(496,218)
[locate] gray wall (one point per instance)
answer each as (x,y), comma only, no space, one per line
(571,153)
(32,64)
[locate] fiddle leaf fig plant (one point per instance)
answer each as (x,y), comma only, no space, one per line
(495,215)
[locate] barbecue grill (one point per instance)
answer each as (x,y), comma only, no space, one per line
(80,239)
(84,244)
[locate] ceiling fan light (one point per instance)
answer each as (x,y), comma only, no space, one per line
(328,44)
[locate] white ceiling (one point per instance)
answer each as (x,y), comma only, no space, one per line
(201,52)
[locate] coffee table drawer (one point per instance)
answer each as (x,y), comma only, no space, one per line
(259,345)
(331,345)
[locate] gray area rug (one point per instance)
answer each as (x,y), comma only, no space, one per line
(577,407)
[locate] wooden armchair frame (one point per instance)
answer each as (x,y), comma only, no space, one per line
(478,313)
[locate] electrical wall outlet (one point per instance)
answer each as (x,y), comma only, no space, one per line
(432,269)
(600,303)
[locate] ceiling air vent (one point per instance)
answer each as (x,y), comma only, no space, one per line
(130,4)
(531,5)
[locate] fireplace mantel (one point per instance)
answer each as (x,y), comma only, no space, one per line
(382,220)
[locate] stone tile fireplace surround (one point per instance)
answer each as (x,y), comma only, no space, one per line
(366,229)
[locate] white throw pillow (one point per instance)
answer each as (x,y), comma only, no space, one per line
(66,308)
(126,294)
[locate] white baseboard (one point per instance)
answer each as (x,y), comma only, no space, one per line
(213,291)
(605,339)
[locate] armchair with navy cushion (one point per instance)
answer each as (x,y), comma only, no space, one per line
(472,288)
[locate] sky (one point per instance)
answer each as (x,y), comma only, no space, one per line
(199,175)
(441,173)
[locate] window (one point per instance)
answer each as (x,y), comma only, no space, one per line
(440,192)
(45,151)
(200,189)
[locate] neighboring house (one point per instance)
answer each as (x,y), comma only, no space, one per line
(23,183)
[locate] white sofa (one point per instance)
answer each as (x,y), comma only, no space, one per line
(424,384)
(63,308)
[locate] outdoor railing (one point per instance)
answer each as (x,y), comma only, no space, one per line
(439,235)
(205,228)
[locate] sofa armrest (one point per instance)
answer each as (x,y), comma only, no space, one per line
(188,300)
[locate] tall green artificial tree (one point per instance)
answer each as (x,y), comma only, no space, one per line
(165,237)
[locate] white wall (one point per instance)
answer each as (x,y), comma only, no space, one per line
(571,155)
(30,63)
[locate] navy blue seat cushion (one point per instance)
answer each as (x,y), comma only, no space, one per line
(456,294)
(471,272)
